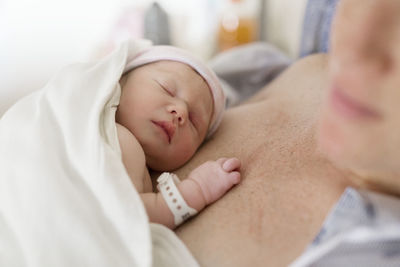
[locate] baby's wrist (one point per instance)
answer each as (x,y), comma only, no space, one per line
(167,185)
(193,194)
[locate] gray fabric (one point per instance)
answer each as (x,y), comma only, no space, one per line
(374,253)
(363,229)
(317,26)
(246,69)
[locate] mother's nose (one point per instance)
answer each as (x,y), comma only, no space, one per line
(366,42)
(370,56)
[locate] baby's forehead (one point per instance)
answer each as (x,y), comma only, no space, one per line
(182,71)
(171,65)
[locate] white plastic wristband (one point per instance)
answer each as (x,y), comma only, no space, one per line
(173,198)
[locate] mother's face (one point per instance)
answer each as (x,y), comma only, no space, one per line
(360,125)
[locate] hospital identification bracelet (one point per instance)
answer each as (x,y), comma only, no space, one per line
(173,198)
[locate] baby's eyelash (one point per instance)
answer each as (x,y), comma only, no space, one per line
(167,90)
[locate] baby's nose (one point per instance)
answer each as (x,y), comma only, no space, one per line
(180,114)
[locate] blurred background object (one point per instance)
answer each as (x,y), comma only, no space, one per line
(238,23)
(156,25)
(39,37)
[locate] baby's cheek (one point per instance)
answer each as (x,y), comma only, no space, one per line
(182,154)
(189,146)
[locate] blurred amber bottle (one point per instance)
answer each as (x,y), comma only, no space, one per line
(238,24)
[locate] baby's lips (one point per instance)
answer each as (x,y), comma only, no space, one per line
(168,127)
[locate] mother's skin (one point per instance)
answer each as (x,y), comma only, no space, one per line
(288,187)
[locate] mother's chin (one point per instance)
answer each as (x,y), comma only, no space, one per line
(358,150)
(339,142)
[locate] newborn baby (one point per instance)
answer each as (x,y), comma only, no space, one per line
(170,103)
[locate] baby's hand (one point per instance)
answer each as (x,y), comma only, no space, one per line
(215,178)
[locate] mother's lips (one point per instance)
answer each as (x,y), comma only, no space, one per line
(167,127)
(349,107)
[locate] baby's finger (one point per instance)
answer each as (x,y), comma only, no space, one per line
(234,177)
(231,164)
(221,161)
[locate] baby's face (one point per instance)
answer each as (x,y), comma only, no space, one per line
(168,107)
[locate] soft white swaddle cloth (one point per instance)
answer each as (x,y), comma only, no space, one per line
(65,196)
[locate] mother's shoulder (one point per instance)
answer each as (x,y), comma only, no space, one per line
(311,63)
(305,75)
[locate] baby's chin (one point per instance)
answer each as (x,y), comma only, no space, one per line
(166,163)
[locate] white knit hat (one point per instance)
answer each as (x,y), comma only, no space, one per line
(162,52)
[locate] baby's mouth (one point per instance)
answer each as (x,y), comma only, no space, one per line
(167,127)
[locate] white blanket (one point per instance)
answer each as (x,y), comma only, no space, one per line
(65,196)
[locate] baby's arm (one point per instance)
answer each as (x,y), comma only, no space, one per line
(204,185)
